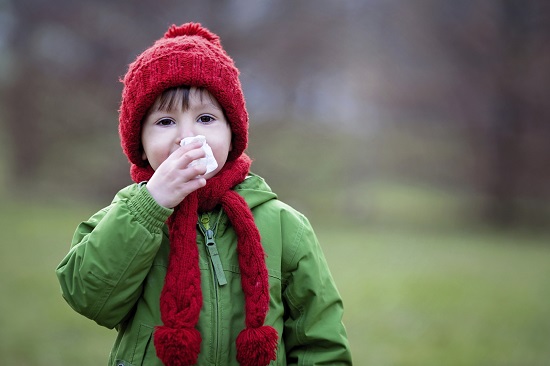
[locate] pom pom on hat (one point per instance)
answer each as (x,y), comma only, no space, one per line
(189,55)
(192,29)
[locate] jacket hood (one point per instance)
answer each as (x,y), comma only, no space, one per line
(255,190)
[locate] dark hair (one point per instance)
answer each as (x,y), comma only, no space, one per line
(177,97)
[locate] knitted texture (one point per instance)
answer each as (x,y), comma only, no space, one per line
(177,342)
(191,55)
(187,55)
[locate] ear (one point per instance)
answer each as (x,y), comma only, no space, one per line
(143,156)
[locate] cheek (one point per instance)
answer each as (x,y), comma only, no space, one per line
(223,147)
(220,152)
(219,140)
(156,153)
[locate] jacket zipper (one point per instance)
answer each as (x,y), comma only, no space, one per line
(212,250)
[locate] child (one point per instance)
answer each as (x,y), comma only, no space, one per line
(196,267)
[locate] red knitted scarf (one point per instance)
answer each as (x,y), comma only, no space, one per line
(177,342)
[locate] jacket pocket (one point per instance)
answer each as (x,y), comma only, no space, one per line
(135,348)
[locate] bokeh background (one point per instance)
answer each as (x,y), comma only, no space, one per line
(413,134)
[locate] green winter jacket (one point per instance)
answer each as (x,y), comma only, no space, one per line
(115,269)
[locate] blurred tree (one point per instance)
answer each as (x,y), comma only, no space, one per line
(500,50)
(64,95)
(60,66)
(479,68)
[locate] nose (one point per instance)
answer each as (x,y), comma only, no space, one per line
(184,130)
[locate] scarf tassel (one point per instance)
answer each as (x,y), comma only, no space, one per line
(178,343)
(257,346)
(177,346)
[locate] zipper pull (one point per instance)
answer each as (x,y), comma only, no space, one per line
(205,221)
(215,257)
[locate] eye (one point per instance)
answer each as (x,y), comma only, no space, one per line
(206,119)
(165,122)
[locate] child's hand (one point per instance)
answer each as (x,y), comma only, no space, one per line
(174,179)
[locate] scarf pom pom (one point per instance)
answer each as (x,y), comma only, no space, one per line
(177,347)
(257,346)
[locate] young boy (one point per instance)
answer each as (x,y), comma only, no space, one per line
(196,266)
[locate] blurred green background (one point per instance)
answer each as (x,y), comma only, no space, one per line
(413,134)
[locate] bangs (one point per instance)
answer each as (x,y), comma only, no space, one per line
(176,98)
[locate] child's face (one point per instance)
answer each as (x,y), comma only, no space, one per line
(163,130)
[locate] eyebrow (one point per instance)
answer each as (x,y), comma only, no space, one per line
(202,103)
(191,106)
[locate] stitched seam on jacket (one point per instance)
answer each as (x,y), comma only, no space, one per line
(136,344)
(292,302)
(296,243)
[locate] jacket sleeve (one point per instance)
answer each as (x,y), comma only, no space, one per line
(314,333)
(102,275)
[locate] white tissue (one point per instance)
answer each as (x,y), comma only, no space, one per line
(209,160)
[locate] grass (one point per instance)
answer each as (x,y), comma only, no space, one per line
(38,327)
(412,297)
(443,299)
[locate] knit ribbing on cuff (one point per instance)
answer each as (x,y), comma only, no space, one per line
(147,211)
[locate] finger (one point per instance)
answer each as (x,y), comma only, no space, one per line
(192,185)
(191,152)
(189,157)
(192,146)
(200,169)
(197,183)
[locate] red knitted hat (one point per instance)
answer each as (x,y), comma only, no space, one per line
(191,55)
(187,55)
